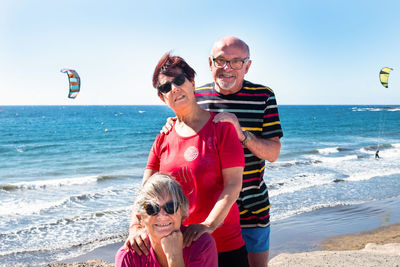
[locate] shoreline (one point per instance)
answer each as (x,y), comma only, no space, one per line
(318,231)
(307,231)
(377,247)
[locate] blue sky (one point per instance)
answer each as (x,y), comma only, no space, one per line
(309,52)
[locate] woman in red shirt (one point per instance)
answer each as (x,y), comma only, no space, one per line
(206,158)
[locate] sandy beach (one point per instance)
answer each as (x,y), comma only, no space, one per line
(365,234)
(378,247)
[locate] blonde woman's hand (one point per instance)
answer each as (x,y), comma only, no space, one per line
(172,246)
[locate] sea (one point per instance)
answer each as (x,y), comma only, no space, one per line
(68,174)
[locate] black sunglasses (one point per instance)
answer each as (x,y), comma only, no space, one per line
(154,209)
(178,80)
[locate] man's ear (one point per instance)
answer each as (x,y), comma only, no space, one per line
(247,66)
(210,62)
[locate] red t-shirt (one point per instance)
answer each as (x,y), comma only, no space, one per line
(197,162)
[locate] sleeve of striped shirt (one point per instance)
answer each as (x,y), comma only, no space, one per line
(271,123)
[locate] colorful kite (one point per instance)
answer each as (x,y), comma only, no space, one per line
(384,76)
(74,82)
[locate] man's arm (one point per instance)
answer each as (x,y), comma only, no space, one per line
(268,149)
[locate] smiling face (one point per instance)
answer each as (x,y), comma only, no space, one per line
(228,80)
(180,96)
(162,224)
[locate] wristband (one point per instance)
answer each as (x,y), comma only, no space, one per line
(247,137)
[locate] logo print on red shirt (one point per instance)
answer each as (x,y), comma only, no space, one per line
(191,153)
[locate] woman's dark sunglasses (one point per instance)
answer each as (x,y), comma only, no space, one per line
(178,80)
(154,209)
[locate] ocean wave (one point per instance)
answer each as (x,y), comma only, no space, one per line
(311,208)
(321,151)
(362,176)
(47,184)
(375,147)
(18,208)
(293,163)
(394,109)
(387,108)
(8,187)
(63,182)
(44,254)
(358,109)
(101,178)
(27,148)
(385,150)
(331,157)
(25,208)
(82,219)
(300,182)
(328,150)
(314,160)
(338,159)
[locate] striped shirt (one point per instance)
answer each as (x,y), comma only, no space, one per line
(256,109)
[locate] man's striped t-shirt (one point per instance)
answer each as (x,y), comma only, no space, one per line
(256,109)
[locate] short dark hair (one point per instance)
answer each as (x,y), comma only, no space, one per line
(168,66)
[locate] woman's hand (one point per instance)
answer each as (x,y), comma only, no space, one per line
(168,125)
(231,118)
(172,246)
(193,232)
(138,240)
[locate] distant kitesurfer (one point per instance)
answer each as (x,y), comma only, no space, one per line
(377,154)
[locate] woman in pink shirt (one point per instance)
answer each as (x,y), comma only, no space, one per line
(160,207)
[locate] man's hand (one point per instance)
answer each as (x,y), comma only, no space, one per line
(138,240)
(230,117)
(166,129)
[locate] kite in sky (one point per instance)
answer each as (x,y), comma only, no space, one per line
(384,76)
(74,82)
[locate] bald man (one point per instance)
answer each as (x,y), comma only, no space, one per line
(253,111)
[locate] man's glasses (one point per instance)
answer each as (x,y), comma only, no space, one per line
(236,63)
(154,209)
(178,80)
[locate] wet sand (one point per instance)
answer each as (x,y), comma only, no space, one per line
(380,236)
(378,247)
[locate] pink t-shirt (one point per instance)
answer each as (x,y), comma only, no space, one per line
(197,162)
(201,253)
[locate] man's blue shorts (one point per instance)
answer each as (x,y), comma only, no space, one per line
(256,239)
